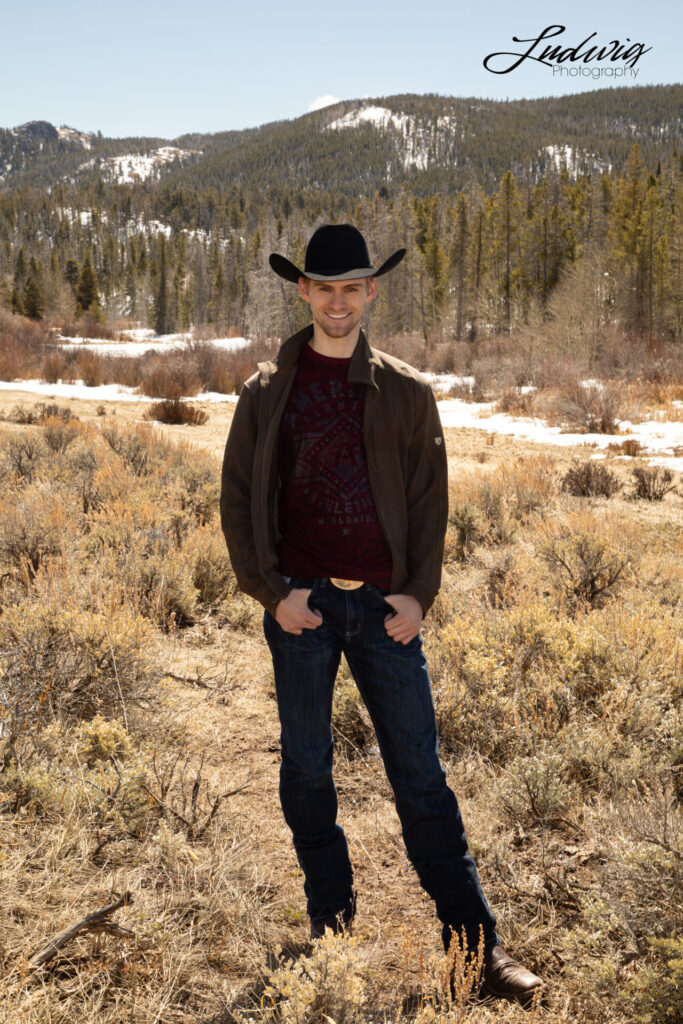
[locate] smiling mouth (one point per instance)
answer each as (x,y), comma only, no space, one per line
(338,316)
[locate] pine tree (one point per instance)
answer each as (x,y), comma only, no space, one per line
(506,220)
(458,258)
(20,272)
(161,317)
(87,289)
(71,274)
(33,299)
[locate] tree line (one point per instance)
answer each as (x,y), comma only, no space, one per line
(171,258)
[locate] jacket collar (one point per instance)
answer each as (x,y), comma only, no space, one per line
(361,368)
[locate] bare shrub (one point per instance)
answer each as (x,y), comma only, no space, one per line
(127,371)
(212,573)
(496,685)
(657,990)
(89,327)
(630,446)
(552,372)
(500,526)
(49,410)
(23,455)
(133,446)
(587,567)
(590,479)
(183,796)
(208,363)
(22,346)
(331,983)
(408,347)
(468,389)
(103,739)
(39,413)
(170,383)
(90,368)
(589,408)
(176,411)
(19,413)
(199,491)
(53,367)
(651,483)
(514,400)
(32,528)
(220,369)
(66,661)
(467,523)
(209,331)
(160,586)
(503,499)
(448,357)
(534,790)
(59,433)
(501,578)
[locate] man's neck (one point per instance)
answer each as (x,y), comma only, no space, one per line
(337,348)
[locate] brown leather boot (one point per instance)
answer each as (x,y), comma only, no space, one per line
(506,978)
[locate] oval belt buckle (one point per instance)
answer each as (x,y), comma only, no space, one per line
(347,584)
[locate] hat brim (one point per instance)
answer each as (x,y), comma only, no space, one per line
(285,268)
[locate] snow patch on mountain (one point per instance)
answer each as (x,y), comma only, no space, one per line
(420,144)
(132,167)
(574,161)
(71,135)
(379,117)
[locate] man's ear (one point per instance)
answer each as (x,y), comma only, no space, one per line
(303,289)
(372,289)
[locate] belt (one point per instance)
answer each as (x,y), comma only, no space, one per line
(347,584)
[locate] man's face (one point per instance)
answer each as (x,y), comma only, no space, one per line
(337,306)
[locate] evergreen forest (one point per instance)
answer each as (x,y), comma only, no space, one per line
(586,237)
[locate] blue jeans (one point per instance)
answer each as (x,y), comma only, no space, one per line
(393,681)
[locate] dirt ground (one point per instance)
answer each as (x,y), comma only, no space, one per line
(219,693)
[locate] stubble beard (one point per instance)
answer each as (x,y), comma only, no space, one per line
(337,330)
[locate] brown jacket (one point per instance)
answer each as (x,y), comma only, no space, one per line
(407,468)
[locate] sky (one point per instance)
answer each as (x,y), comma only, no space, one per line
(151,68)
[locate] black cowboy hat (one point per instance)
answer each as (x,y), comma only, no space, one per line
(336,252)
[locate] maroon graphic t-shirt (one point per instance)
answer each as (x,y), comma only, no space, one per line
(326,512)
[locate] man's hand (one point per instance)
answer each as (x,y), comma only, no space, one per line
(405,623)
(293,613)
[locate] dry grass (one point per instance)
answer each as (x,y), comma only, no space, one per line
(152,700)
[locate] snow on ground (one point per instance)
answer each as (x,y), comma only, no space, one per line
(102,393)
(660,438)
(446,381)
(144,341)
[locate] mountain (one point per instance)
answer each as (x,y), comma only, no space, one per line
(434,143)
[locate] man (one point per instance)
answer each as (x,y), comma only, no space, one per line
(334,507)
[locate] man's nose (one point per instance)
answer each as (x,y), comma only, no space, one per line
(337,301)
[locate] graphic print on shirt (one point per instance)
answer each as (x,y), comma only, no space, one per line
(326,511)
(323,439)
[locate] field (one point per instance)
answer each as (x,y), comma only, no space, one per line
(139,743)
